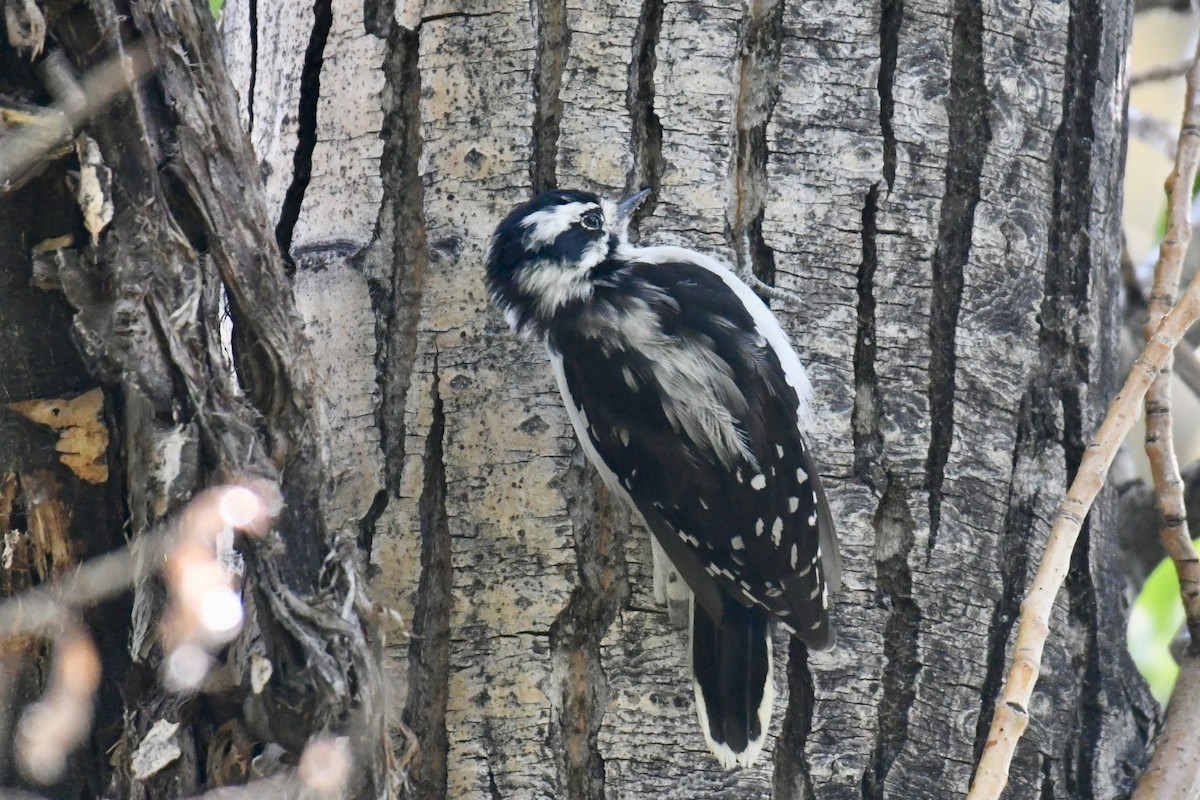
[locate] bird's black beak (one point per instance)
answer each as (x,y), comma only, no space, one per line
(626,207)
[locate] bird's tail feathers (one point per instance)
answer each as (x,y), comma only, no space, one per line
(735,690)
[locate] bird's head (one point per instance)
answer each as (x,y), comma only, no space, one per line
(543,257)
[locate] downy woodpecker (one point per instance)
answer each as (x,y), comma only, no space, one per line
(688,399)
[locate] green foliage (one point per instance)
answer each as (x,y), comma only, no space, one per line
(1154,620)
(215,6)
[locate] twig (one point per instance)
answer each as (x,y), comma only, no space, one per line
(1153,131)
(1174,769)
(74,104)
(1160,446)
(1011,715)
(96,580)
(1162,72)
(1187,367)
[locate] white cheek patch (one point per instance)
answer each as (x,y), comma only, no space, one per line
(548,224)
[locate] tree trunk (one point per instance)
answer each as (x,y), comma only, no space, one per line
(128,282)
(939,182)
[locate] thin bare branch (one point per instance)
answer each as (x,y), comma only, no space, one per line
(1174,769)
(47,130)
(1011,715)
(1160,447)
(1161,72)
(1153,131)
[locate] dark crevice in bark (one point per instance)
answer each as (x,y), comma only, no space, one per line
(429,654)
(1089,712)
(757,92)
(1065,303)
(791,779)
(1036,421)
(306,127)
(366,526)
(969,136)
(1047,790)
(400,249)
(891,17)
(575,635)
(493,789)
(1066,346)
(893,544)
(646,142)
(868,440)
(553,42)
(252,11)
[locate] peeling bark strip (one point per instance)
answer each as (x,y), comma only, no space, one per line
(646,142)
(757,91)
(429,654)
(968,107)
(576,634)
(306,118)
(553,41)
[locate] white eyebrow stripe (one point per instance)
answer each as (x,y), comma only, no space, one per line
(546,225)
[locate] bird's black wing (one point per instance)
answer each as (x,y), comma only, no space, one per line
(685,398)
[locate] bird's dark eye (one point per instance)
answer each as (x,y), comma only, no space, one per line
(592,221)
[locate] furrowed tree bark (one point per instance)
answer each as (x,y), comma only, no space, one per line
(130,296)
(937,179)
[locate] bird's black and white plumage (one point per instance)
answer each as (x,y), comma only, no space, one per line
(687,397)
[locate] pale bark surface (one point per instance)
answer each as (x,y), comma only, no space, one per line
(937,180)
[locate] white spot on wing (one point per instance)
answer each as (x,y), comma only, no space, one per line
(793,504)
(758,527)
(779,450)
(777,531)
(737,543)
(801,475)
(795,556)
(812,518)
(758,481)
